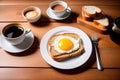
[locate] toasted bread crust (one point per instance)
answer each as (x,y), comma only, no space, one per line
(102,25)
(85,11)
(97,16)
(59,57)
(86,17)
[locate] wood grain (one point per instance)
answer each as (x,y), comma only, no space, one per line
(40,73)
(30,65)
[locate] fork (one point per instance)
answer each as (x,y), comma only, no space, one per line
(95,40)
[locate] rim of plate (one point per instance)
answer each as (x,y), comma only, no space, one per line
(71,63)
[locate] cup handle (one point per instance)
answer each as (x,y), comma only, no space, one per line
(27,31)
(116,29)
(68,10)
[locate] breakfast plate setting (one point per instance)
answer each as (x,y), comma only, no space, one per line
(53,16)
(26,44)
(72,62)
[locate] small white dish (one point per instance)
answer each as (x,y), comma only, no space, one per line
(26,44)
(53,16)
(32,9)
(73,62)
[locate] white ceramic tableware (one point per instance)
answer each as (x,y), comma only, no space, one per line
(53,16)
(26,44)
(73,62)
(116,26)
(14,33)
(59,8)
(31,14)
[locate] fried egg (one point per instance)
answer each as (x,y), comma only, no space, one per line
(66,44)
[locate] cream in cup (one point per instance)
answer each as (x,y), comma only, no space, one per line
(31,14)
(14,33)
(59,8)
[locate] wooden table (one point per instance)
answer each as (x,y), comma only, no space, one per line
(30,65)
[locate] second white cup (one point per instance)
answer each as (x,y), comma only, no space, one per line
(31,14)
(59,8)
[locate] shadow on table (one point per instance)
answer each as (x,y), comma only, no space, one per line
(31,50)
(72,18)
(82,68)
(42,22)
(115,37)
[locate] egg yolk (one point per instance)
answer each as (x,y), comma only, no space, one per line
(65,44)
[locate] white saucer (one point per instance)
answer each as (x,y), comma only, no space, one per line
(27,43)
(73,62)
(53,16)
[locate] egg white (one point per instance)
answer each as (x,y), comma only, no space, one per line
(76,44)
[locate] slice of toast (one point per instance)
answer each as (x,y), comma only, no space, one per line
(86,17)
(60,57)
(91,10)
(93,17)
(103,22)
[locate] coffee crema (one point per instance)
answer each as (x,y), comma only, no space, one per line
(58,7)
(13,31)
(31,14)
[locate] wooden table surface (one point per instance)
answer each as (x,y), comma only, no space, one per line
(30,65)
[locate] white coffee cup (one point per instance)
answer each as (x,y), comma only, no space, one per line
(116,26)
(14,33)
(59,8)
(31,14)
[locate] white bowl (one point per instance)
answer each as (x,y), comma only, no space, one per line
(31,14)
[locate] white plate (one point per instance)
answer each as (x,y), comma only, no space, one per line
(53,16)
(27,43)
(73,62)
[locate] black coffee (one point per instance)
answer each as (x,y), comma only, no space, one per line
(13,31)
